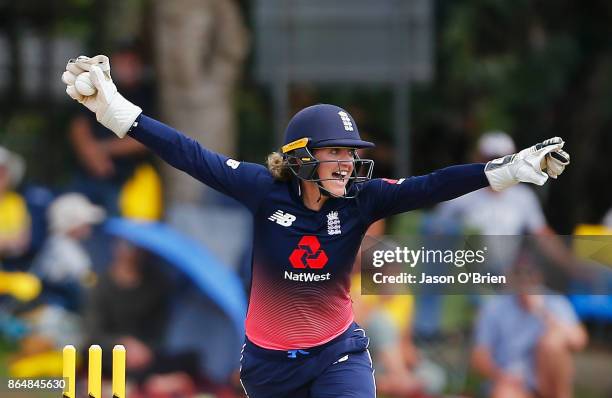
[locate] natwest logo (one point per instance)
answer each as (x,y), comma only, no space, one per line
(308,254)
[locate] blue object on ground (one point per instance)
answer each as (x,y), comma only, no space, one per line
(196,326)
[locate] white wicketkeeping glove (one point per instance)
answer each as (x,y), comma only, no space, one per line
(112,110)
(533,165)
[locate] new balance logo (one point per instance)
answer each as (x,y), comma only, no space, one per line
(284,219)
(346,121)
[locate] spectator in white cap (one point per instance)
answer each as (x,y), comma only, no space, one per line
(73,215)
(15,224)
(494,144)
(63,264)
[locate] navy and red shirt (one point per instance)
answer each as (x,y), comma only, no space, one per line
(302,259)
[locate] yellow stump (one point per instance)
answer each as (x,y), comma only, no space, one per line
(119,371)
(69,370)
(94,376)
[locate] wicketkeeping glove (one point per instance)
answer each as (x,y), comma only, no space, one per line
(533,165)
(112,110)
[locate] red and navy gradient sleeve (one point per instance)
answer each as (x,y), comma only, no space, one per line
(381,198)
(246,182)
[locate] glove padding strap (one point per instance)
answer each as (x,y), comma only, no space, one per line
(556,162)
(533,165)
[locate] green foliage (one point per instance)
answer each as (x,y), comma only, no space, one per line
(19,133)
(256,137)
(41,140)
(505,61)
(73,28)
(81,3)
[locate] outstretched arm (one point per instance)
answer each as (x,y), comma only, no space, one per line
(245,182)
(384,197)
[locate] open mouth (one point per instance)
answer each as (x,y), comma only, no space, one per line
(340,175)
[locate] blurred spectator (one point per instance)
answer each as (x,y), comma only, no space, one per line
(129,306)
(524,341)
(393,375)
(63,264)
(401,371)
(512,212)
(502,218)
(63,267)
(607,220)
(21,285)
(15,224)
(106,162)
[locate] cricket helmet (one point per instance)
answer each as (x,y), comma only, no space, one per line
(323,126)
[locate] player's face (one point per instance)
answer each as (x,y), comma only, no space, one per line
(335,169)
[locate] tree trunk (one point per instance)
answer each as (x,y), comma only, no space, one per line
(200,48)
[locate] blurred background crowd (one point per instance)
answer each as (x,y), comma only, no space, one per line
(100,243)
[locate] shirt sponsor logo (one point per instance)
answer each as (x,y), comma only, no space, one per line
(306,276)
(333,223)
(284,219)
(308,254)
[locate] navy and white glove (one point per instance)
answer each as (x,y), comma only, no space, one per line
(533,165)
(112,110)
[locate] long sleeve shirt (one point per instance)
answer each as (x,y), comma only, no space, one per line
(302,259)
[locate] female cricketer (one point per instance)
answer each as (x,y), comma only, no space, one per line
(311,206)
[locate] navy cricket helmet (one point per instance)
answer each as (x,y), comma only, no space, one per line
(324,126)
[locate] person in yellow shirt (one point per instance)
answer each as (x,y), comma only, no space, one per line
(388,321)
(15,224)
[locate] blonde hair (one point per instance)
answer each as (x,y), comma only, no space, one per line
(278,167)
